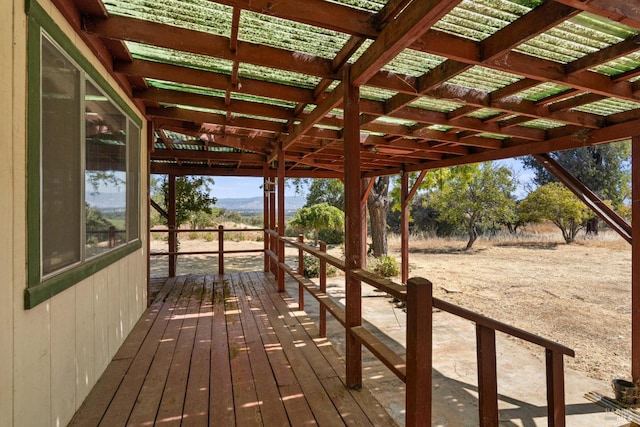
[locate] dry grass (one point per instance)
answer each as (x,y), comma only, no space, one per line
(578,295)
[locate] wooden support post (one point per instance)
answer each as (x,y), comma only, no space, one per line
(353,229)
(221,249)
(272,222)
(281,226)
(173,237)
(635,259)
(300,272)
(150,144)
(555,389)
(367,186)
(419,345)
(323,288)
(404,227)
(487,376)
(265,215)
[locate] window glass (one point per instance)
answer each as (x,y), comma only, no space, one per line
(105,173)
(60,160)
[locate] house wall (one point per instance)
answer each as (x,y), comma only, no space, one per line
(52,354)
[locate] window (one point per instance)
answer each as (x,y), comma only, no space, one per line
(84,158)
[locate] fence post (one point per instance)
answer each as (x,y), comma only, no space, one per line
(322,274)
(221,249)
(419,348)
(300,272)
(487,376)
(555,389)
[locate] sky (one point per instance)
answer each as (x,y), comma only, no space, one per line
(240,188)
(228,187)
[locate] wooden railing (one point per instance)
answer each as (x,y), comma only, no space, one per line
(415,369)
(220,231)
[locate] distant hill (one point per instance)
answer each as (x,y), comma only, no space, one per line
(255,203)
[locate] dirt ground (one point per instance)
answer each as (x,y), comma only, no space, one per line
(578,295)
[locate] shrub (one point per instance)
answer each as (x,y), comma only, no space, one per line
(193,235)
(312,267)
(331,237)
(386,266)
(209,237)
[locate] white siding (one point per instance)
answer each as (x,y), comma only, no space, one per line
(51,355)
(7,177)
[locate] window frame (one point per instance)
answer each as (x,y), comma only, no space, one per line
(39,288)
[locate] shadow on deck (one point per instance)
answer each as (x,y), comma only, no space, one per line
(226,351)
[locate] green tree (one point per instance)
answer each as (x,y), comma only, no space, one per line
(330,191)
(318,217)
(554,202)
(604,169)
(474,193)
(192,196)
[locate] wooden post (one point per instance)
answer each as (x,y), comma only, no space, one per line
(635,259)
(419,344)
(300,272)
(265,215)
(221,249)
(281,226)
(173,238)
(150,147)
(487,376)
(353,228)
(323,288)
(404,226)
(555,389)
(272,223)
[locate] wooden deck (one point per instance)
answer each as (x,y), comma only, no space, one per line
(225,351)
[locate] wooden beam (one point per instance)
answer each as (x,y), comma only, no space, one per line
(468,51)
(212,102)
(207,155)
(208,79)
(204,170)
(623,11)
(180,39)
(602,56)
(588,197)
(399,34)
(528,26)
(600,136)
(319,13)
(329,103)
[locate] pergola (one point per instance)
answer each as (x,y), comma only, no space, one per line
(356,89)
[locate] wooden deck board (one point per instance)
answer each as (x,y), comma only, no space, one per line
(196,405)
(226,351)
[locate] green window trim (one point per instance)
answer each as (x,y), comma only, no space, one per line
(38,289)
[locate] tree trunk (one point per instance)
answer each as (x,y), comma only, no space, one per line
(473,235)
(378,205)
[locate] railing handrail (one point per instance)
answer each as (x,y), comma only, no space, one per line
(502,327)
(203,230)
(399,291)
(232,251)
(411,369)
(336,262)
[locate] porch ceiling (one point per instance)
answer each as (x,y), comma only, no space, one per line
(443,82)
